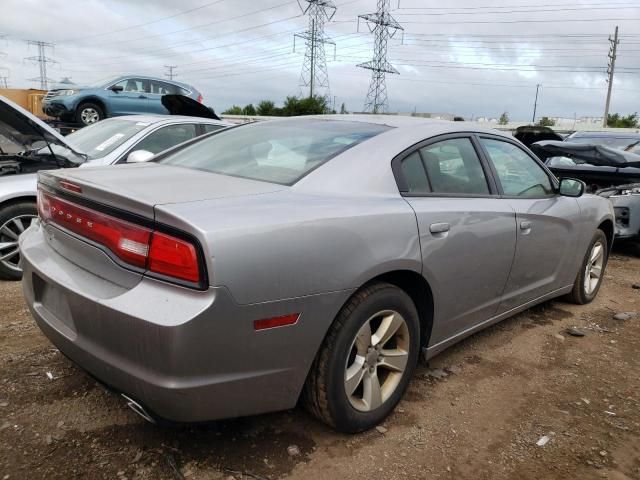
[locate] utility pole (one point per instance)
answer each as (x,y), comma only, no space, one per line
(42,61)
(613,50)
(535,103)
(314,75)
(384,27)
(169,74)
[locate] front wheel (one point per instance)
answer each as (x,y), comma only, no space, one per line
(89,113)
(14,220)
(591,273)
(366,360)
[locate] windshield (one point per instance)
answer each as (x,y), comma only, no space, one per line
(620,143)
(278,152)
(102,138)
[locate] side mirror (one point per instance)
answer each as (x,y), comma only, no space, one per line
(571,187)
(139,156)
(116,88)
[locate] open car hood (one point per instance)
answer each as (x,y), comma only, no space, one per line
(593,154)
(21,130)
(530,134)
(181,105)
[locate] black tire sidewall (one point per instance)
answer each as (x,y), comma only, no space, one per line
(84,105)
(598,236)
(6,213)
(346,418)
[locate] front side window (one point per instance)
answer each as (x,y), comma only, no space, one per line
(132,85)
(519,174)
(167,137)
(453,167)
(276,152)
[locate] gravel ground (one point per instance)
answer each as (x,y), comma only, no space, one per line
(476,411)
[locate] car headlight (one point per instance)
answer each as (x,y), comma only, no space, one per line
(67,92)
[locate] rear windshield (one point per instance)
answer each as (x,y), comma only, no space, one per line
(278,152)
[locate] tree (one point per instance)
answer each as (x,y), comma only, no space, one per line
(504,118)
(294,106)
(616,120)
(234,110)
(546,122)
(343,109)
(249,110)
(267,108)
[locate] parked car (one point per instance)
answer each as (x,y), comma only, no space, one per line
(611,172)
(309,258)
(126,95)
(28,145)
(627,141)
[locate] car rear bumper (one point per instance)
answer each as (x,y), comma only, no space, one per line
(184,355)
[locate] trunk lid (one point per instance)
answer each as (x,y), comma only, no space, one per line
(138,188)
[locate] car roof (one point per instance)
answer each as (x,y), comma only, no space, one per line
(153,119)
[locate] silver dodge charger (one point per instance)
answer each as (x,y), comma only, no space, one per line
(311,258)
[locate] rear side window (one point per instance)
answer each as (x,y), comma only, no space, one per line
(167,137)
(277,152)
(519,174)
(453,167)
(414,174)
(208,128)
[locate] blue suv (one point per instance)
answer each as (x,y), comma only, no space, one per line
(127,95)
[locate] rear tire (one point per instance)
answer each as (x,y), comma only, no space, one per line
(14,219)
(592,270)
(89,113)
(366,360)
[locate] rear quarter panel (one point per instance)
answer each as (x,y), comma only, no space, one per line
(13,187)
(286,244)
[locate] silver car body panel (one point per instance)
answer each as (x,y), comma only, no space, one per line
(273,250)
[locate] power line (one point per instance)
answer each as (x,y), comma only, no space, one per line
(314,75)
(42,61)
(384,28)
(131,27)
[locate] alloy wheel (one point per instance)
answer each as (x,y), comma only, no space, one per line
(9,233)
(89,115)
(593,272)
(377,360)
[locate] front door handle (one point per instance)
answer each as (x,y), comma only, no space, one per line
(525,226)
(439,227)
(142,96)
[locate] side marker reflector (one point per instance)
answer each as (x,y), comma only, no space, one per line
(274,322)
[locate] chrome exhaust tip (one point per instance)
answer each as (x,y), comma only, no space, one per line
(139,409)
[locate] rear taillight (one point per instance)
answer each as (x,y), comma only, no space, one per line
(200,99)
(135,245)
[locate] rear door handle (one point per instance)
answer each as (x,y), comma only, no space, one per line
(439,227)
(142,96)
(525,226)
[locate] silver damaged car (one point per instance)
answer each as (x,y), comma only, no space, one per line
(311,258)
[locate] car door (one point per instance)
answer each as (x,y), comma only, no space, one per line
(467,232)
(157,89)
(546,223)
(132,99)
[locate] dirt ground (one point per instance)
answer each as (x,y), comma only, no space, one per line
(475,412)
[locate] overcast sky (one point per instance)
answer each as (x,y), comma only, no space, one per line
(470,58)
